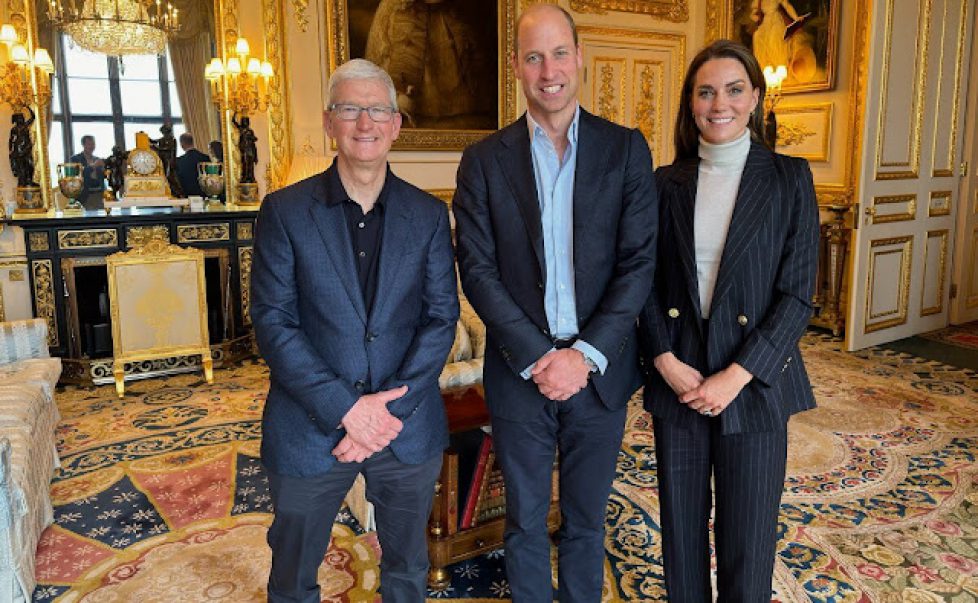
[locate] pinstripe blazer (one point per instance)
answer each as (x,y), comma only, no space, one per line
(762,299)
(325,348)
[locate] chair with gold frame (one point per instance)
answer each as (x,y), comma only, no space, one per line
(158,304)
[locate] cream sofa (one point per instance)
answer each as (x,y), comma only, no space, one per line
(28,457)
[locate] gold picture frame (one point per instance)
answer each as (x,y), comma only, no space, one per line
(158,306)
(676,11)
(354,25)
(809,47)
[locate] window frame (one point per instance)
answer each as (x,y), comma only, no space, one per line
(67,118)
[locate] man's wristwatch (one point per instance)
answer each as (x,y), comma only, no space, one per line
(592,366)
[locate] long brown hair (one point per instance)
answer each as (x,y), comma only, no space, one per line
(687,134)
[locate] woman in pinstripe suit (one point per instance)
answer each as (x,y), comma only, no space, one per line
(731,297)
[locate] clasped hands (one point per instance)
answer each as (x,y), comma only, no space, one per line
(560,374)
(370,427)
(708,396)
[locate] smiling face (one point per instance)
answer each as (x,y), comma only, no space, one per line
(548,63)
(362,142)
(722,100)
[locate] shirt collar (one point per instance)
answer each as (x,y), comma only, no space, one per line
(536,128)
(336,193)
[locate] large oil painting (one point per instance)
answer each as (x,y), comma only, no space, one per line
(802,35)
(446,57)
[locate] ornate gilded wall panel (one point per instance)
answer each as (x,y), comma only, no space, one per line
(299,8)
(137,236)
(608,97)
(195,233)
(893,208)
(901,114)
(634,77)
(43,276)
(279,117)
(93,238)
(935,271)
(225,37)
(676,11)
(244,281)
(246,231)
(940,204)
(887,307)
(39,241)
(23,16)
(950,72)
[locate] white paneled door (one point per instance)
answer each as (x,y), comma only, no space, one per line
(910,181)
(964,279)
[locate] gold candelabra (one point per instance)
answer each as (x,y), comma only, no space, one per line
(24,80)
(240,84)
(773,77)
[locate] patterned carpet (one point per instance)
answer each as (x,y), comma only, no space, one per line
(964,336)
(162,498)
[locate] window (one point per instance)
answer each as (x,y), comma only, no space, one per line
(110,98)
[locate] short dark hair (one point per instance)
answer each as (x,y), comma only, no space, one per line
(519,20)
(187,139)
(687,134)
(87,137)
(216,147)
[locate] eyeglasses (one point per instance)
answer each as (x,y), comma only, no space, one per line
(346,112)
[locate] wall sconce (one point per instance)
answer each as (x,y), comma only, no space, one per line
(240,85)
(773,77)
(24,85)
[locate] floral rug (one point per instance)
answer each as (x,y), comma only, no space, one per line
(962,336)
(162,498)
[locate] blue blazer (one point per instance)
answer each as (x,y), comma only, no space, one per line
(501,256)
(762,300)
(324,348)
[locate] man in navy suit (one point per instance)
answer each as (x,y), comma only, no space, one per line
(354,304)
(556,221)
(187,165)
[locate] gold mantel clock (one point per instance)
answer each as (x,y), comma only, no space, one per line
(144,172)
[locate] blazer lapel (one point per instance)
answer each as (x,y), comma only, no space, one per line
(397,227)
(331,224)
(753,199)
(517,167)
(683,206)
(589,174)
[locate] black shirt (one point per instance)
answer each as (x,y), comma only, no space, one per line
(366,231)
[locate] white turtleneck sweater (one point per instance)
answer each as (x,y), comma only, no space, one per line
(721,166)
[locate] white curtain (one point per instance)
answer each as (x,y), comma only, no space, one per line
(190,51)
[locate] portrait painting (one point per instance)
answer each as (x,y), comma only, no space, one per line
(802,35)
(446,58)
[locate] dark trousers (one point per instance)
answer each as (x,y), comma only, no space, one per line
(588,437)
(748,475)
(306,507)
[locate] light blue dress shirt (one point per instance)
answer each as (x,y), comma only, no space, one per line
(555,192)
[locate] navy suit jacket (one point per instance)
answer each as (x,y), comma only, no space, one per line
(187,171)
(767,276)
(324,348)
(501,256)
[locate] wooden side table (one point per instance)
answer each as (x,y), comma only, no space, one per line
(447,544)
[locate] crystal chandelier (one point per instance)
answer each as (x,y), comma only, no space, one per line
(116,27)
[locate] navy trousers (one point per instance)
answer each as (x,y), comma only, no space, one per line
(588,438)
(748,472)
(306,507)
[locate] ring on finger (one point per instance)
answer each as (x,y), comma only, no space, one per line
(708,413)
